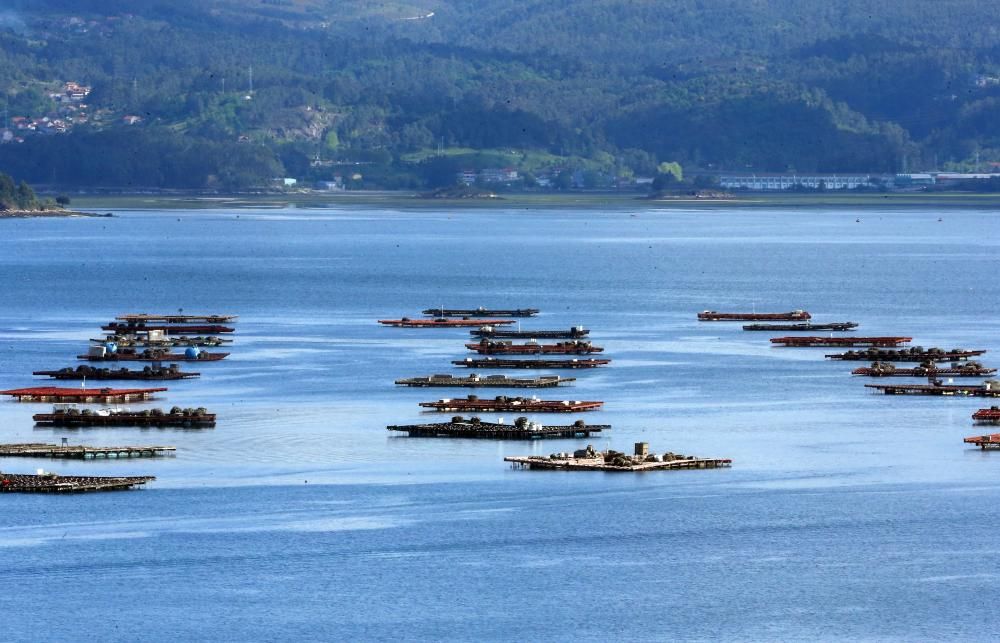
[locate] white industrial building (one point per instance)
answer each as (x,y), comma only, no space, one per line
(761,182)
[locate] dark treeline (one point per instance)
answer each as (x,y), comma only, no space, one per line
(711,84)
(17,196)
(140,158)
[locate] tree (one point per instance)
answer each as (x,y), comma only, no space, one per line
(25,197)
(332,141)
(673,169)
(439,172)
(6,192)
(564,180)
(30,102)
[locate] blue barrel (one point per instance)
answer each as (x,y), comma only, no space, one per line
(192,352)
(111,347)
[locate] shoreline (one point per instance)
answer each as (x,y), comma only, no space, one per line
(579,200)
(50,214)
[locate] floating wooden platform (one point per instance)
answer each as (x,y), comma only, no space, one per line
(481,312)
(169,329)
(572,347)
(178,319)
(493,362)
(151,355)
(598,464)
(492,381)
(52,483)
(82,395)
(795,315)
(150,373)
(575,332)
(144,341)
(840,341)
(990,388)
(442,322)
(929,369)
(176,417)
(806,327)
(79,452)
(502,403)
(987,416)
(991,441)
(521,429)
(916,354)
(590,460)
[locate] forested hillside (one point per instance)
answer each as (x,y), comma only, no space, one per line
(231,93)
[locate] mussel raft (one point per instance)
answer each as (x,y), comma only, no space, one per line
(151,355)
(478,381)
(53,483)
(82,452)
(135,341)
(521,429)
(795,315)
(590,460)
(177,319)
(176,417)
(85,372)
(798,341)
(503,404)
(185,329)
(576,332)
(990,441)
(989,388)
(481,312)
(987,416)
(494,362)
(500,347)
(915,354)
(926,369)
(803,327)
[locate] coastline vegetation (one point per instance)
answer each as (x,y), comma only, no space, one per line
(231,94)
(19,198)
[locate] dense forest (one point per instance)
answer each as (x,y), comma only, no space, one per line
(233,93)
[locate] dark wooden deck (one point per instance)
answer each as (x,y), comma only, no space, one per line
(52,483)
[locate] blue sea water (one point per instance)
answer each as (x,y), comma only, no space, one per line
(846,515)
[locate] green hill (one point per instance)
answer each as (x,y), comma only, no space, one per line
(231,93)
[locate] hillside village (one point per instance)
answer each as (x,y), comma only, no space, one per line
(69,110)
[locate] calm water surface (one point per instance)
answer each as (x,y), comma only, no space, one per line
(846,514)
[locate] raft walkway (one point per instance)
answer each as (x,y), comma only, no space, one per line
(41,450)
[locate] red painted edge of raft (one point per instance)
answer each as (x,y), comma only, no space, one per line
(79,392)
